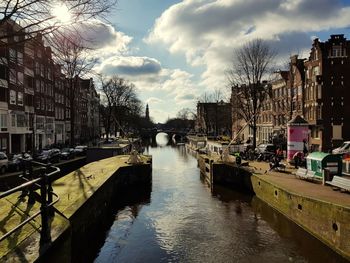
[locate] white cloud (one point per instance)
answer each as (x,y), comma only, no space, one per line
(153,100)
(207,31)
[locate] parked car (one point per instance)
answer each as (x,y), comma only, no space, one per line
(3,162)
(80,150)
(265,151)
(52,156)
(15,161)
(67,153)
(344,148)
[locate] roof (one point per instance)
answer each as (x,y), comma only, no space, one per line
(298,120)
(317,155)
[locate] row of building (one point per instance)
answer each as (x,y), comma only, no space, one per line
(35,98)
(316,88)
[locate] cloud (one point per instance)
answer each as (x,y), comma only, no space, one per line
(130,66)
(208,31)
(103,38)
(153,100)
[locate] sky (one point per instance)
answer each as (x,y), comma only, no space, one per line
(175,51)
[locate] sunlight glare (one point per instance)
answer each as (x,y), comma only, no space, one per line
(61,13)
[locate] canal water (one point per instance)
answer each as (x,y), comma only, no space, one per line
(181,220)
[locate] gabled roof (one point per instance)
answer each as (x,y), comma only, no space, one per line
(298,120)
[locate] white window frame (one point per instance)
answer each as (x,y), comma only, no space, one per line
(20,98)
(13,97)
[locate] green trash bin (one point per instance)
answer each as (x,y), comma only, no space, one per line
(317,161)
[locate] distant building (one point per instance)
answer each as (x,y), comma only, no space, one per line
(214,118)
(296,83)
(275,110)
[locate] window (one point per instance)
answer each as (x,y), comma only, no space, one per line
(12,97)
(337,51)
(37,85)
(13,76)
(20,98)
(3,145)
(28,82)
(37,103)
(3,70)
(37,68)
(42,104)
(42,70)
(13,55)
(13,120)
(29,100)
(20,78)
(20,58)
(21,120)
(3,122)
(42,87)
(337,132)
(3,94)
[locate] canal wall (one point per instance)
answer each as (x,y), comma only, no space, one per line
(317,209)
(215,172)
(328,222)
(87,197)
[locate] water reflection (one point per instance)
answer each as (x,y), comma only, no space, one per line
(185,222)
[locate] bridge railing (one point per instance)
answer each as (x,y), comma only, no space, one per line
(45,195)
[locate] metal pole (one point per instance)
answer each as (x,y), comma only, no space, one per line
(49,191)
(45,231)
(31,198)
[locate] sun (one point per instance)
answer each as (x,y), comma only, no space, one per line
(61,13)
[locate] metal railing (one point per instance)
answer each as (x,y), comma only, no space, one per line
(44,183)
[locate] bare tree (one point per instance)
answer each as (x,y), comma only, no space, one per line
(121,101)
(186,114)
(38,16)
(251,63)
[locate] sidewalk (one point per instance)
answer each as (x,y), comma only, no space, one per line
(291,183)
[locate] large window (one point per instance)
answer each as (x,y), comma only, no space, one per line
(3,94)
(338,51)
(20,78)
(21,120)
(3,122)
(12,97)
(20,58)
(3,145)
(3,72)
(37,85)
(13,56)
(337,132)
(20,98)
(13,76)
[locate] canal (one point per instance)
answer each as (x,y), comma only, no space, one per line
(181,220)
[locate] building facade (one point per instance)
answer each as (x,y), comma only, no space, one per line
(327,107)
(214,118)
(34,97)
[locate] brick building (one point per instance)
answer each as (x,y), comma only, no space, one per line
(327,107)
(34,96)
(214,118)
